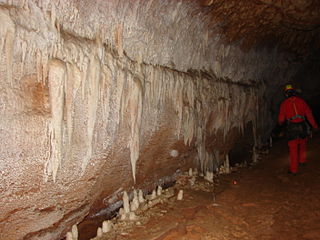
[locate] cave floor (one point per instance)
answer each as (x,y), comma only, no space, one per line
(265,203)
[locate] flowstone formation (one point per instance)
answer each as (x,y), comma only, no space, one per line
(94,98)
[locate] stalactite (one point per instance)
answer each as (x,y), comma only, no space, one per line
(201,156)
(216,156)
(119,39)
(135,106)
(9,54)
(85,62)
(179,102)
(7,34)
(72,86)
(105,94)
(120,82)
(189,127)
(57,77)
(93,101)
(39,65)
(23,54)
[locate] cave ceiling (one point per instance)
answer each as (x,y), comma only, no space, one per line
(292,24)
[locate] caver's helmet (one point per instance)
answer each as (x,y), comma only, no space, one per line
(288,87)
(289,91)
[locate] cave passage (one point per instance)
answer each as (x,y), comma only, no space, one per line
(153,119)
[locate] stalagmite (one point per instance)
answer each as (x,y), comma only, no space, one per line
(254,154)
(180,195)
(74,231)
(209,176)
(202,157)
(134,205)
(141,199)
(121,211)
(195,172)
(226,164)
(126,205)
(123,216)
(135,194)
(159,190)
(192,180)
(190,172)
(99,232)
(132,216)
(106,226)
(153,195)
(69,236)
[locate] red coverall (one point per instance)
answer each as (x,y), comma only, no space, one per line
(297,147)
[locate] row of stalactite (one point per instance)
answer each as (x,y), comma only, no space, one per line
(139,91)
(118,91)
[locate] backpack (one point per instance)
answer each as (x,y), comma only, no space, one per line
(297,130)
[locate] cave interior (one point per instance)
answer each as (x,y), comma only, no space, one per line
(102,97)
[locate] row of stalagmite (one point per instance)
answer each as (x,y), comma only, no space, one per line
(127,212)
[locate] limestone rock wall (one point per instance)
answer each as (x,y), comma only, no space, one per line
(95,96)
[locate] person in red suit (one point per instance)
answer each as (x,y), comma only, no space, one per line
(295,111)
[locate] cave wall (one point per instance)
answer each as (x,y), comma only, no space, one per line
(100,96)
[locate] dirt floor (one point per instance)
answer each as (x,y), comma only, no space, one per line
(258,202)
